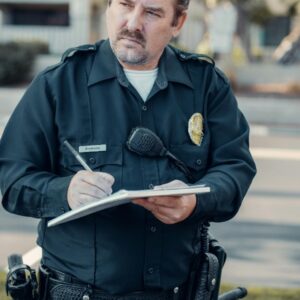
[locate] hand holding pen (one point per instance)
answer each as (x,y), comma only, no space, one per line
(87,186)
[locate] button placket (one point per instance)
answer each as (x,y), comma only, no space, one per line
(152,252)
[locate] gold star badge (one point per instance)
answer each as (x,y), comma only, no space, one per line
(196,128)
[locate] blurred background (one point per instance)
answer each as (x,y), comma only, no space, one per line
(257,44)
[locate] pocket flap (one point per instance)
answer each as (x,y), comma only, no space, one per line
(193,156)
(112,156)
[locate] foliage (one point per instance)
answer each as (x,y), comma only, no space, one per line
(17,59)
(257,10)
(2,287)
(35,46)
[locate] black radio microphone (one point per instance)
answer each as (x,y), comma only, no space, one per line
(145,142)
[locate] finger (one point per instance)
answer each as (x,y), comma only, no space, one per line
(96,177)
(103,181)
(86,199)
(85,187)
(164,214)
(106,177)
(81,200)
(164,219)
(94,193)
(145,203)
(166,201)
(92,190)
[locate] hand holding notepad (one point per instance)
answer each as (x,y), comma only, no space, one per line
(170,209)
(122,197)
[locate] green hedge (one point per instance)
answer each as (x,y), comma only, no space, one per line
(17,59)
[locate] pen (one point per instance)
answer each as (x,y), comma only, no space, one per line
(78,156)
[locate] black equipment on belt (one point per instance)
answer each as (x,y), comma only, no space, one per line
(145,142)
(21,282)
(58,285)
(237,293)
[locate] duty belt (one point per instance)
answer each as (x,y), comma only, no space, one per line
(60,286)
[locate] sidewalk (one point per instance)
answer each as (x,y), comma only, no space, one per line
(265,110)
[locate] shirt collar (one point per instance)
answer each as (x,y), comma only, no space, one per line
(105,66)
(171,69)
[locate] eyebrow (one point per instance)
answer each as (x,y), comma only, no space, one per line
(129,2)
(157,10)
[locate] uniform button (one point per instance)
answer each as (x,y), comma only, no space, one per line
(92,160)
(151,186)
(151,270)
(199,162)
(153,229)
(144,108)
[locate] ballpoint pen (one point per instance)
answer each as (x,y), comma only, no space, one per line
(77,156)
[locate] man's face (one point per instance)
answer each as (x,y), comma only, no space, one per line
(139,30)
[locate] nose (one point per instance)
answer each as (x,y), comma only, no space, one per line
(135,21)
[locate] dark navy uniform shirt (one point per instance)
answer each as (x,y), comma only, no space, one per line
(88,100)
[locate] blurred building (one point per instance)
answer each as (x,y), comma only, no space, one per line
(60,23)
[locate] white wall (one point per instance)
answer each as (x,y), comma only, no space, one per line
(59,38)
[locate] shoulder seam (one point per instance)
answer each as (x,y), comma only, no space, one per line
(186,56)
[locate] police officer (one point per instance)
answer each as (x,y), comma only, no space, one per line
(93,99)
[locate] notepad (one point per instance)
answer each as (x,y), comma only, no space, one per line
(123,197)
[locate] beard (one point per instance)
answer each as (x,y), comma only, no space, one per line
(134,53)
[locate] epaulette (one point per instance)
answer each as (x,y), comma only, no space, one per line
(222,75)
(72,51)
(69,53)
(185,56)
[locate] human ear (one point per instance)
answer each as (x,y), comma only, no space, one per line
(180,22)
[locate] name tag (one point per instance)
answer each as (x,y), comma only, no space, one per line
(92,148)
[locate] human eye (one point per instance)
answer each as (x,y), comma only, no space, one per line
(153,13)
(126,4)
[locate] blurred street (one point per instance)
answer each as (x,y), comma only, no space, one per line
(262,242)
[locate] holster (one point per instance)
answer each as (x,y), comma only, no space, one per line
(44,277)
(205,275)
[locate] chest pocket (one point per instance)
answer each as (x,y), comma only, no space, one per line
(109,161)
(194,157)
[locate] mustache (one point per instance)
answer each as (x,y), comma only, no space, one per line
(136,35)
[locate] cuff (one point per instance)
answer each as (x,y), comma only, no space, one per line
(55,202)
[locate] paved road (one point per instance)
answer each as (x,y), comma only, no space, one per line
(262,241)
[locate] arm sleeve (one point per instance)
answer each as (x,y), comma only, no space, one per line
(230,165)
(28,157)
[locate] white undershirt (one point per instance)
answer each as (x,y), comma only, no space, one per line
(142,81)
